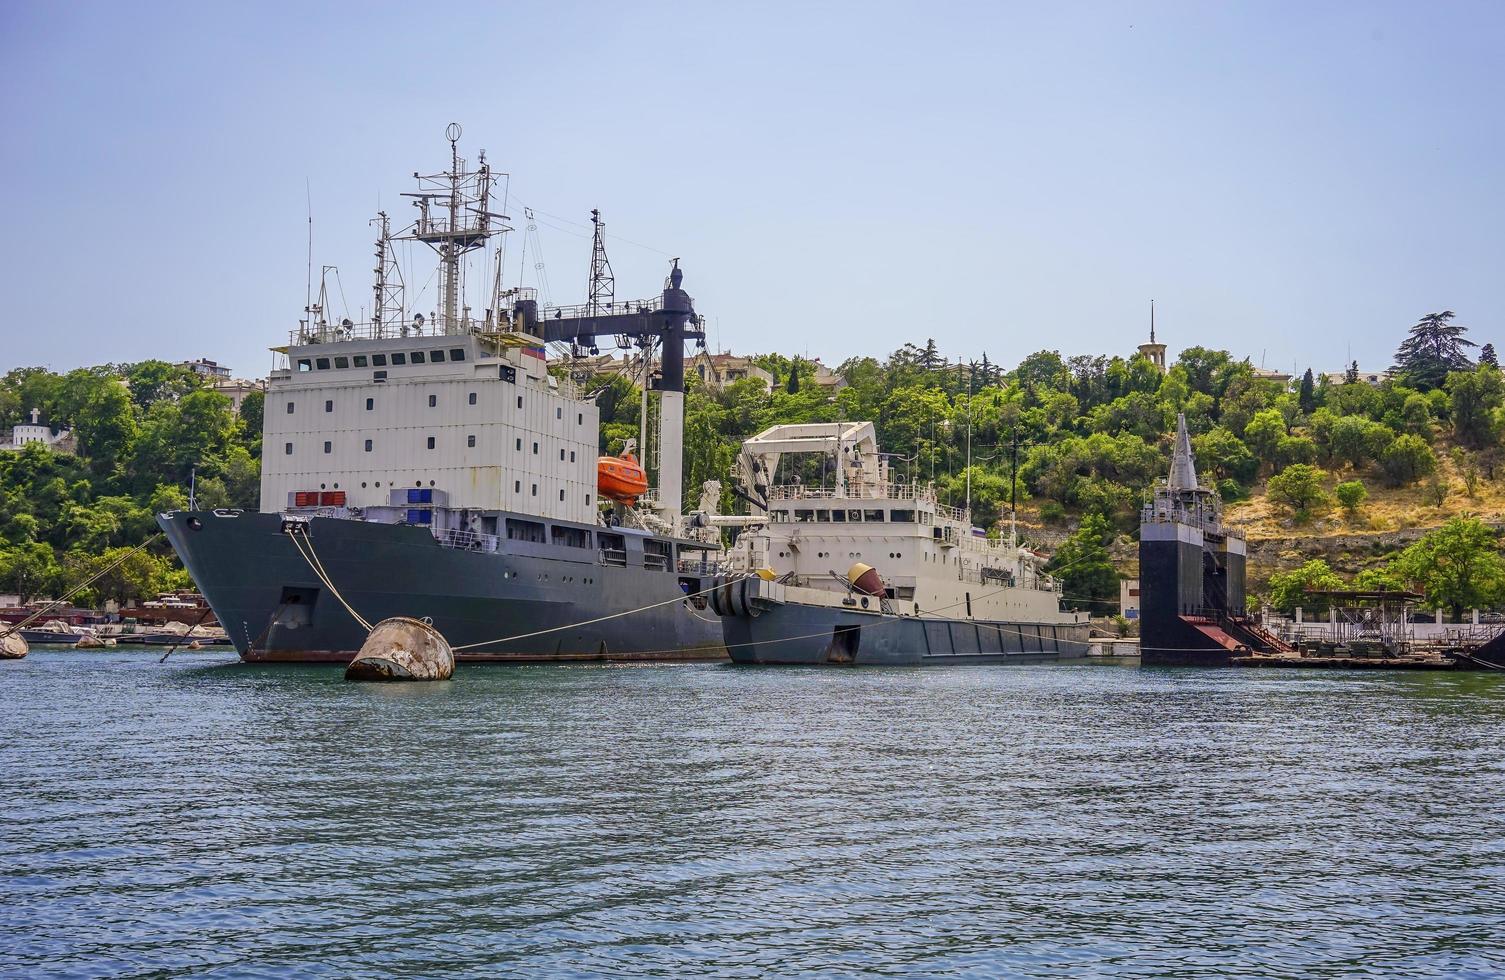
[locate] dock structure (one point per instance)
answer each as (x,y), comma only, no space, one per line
(1191,570)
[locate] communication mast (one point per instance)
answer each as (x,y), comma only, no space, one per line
(602,290)
(387,308)
(454,219)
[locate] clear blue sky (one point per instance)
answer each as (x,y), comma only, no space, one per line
(1291,181)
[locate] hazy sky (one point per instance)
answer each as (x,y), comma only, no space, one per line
(1291,181)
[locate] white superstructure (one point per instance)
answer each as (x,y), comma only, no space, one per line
(475,418)
(930,558)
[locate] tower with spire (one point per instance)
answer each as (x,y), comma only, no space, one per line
(1155,352)
(1191,572)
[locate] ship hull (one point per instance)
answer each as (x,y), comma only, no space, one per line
(517,607)
(797,634)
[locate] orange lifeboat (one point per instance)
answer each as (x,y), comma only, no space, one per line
(621,478)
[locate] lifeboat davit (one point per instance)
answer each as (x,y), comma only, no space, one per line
(621,478)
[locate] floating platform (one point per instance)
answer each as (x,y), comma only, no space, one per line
(1349,663)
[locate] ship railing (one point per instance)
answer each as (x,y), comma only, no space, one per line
(860,490)
(702,565)
(463,540)
(614,556)
(336,333)
(659,563)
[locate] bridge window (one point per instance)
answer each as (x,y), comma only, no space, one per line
(359,360)
(457,353)
(436,356)
(322,363)
(804,516)
(416,357)
(901,516)
(305,364)
(342,362)
(822,517)
(399,359)
(873,516)
(378,360)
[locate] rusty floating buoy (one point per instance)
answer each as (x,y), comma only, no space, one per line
(403,649)
(13,646)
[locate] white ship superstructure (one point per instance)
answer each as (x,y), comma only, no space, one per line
(928,554)
(865,569)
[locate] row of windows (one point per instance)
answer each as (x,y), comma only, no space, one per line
(434,403)
(431,443)
(340,362)
(823,516)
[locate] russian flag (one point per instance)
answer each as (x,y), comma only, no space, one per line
(537,352)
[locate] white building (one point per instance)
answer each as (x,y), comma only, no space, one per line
(1128,598)
(58,440)
(207,369)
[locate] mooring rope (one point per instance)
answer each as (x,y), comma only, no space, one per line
(323,576)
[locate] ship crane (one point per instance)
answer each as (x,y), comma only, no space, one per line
(671,320)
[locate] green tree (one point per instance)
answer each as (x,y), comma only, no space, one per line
(1084,568)
(1357,441)
(1298,487)
(1307,398)
(1351,494)
(1290,589)
(1457,566)
(1264,432)
(1224,454)
(1433,350)
(29,570)
(1473,397)
(1407,460)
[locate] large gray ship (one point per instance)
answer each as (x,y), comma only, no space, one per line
(436,467)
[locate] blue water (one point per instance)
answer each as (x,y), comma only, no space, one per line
(207,818)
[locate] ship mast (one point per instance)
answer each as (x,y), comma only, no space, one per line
(387,307)
(454,219)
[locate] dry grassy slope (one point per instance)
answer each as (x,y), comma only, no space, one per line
(1388,521)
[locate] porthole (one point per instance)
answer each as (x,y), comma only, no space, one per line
(323,487)
(363,484)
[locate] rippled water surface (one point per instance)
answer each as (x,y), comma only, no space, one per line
(208,818)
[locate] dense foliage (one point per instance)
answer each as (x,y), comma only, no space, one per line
(143,432)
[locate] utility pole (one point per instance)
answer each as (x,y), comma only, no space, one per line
(1014,490)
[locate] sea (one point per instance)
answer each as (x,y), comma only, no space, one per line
(205,818)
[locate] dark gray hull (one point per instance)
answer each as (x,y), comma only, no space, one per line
(811,635)
(274,608)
